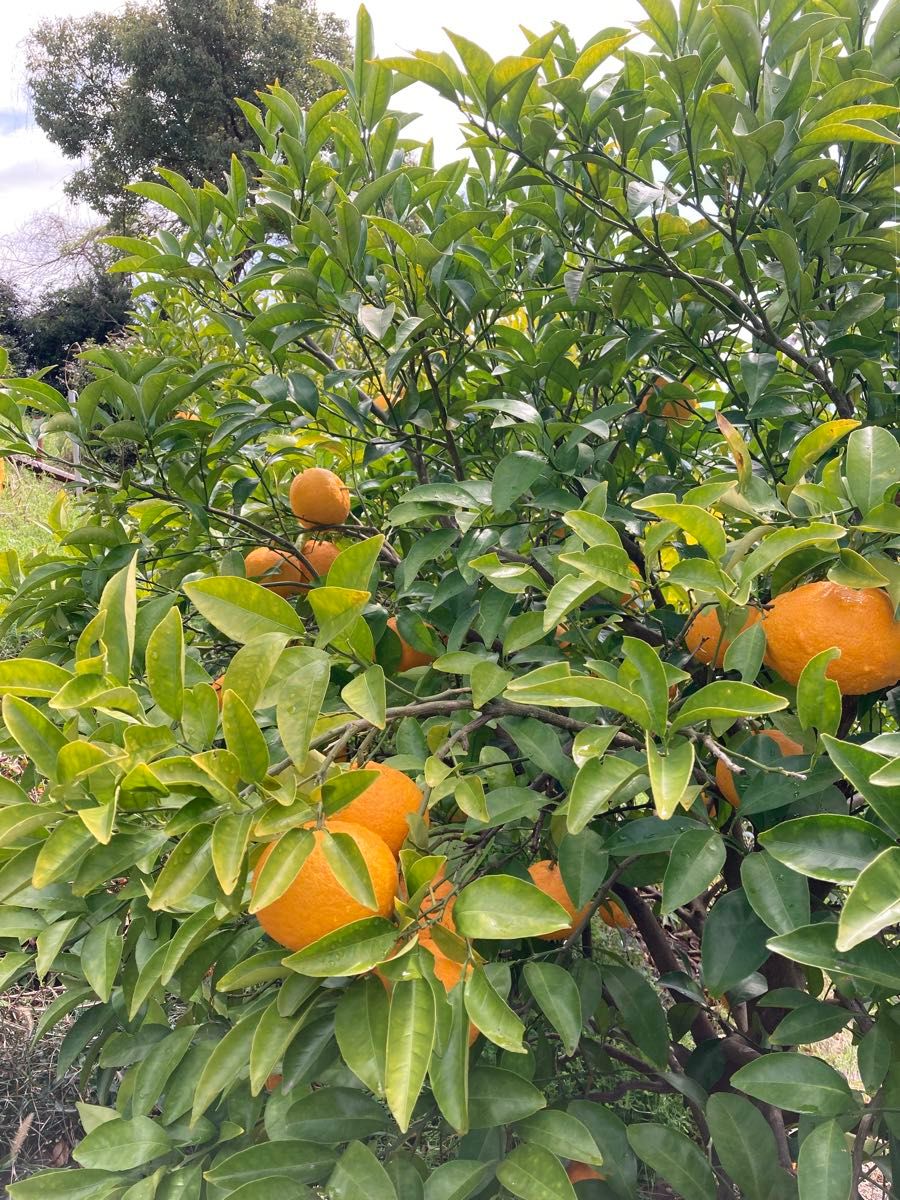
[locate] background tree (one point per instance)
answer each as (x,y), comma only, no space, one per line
(156,83)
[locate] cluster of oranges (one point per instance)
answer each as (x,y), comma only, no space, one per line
(319,499)
(801,623)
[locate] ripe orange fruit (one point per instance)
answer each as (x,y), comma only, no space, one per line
(277,570)
(217,685)
(450,972)
(319,497)
(546,876)
(320,555)
(612,913)
(680,409)
(409,657)
(816,616)
(725,778)
(703,637)
(273,1082)
(182,415)
(315,903)
(385,804)
(579,1171)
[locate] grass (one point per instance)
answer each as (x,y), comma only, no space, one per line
(24,504)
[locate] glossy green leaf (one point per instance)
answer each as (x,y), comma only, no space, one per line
(350,950)
(734,943)
(812,1022)
(670,771)
(348,866)
(795,1081)
(583,864)
(745,1144)
(819,698)
(726,699)
(556,994)
(299,705)
(499,1097)
(39,739)
(358,1175)
(119,603)
(824,1165)
(120,1145)
(361,1029)
(365,695)
(873,902)
(533,1173)
(501,906)
(872,465)
(101,953)
(332,1115)
(675,1158)
(640,1010)
(243,738)
(828,846)
(778,895)
(164,662)
(281,867)
(243,610)
(696,859)
(815,946)
(595,788)
(409,1042)
(490,1013)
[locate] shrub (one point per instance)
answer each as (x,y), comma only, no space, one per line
(622,369)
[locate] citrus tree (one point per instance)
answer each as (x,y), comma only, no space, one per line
(457,708)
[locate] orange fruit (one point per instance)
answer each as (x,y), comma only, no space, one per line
(816,616)
(277,570)
(680,410)
(612,913)
(703,637)
(546,876)
(320,555)
(315,903)
(385,804)
(725,778)
(217,685)
(319,497)
(579,1171)
(273,1082)
(409,657)
(450,972)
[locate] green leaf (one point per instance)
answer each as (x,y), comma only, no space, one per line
(164,662)
(665,21)
(186,868)
(66,1185)
(509,577)
(558,998)
(251,668)
(798,1082)
(488,680)
(39,738)
(778,545)
(361,1029)
(745,1144)
(830,846)
(156,1069)
(533,1173)
(813,445)
(243,610)
(449,1069)
(696,859)
(498,1097)
(819,698)
(101,953)
(640,1010)
(119,604)
(365,695)
(358,1175)
(490,1013)
(580,691)
(281,867)
(610,1135)
(354,565)
(458,1179)
(505,74)
(121,1145)
(858,764)
(336,1114)
(500,906)
(652,685)
(351,950)
(815,946)
(230,1060)
(243,738)
(595,789)
(873,902)
(299,705)
(670,773)
(778,895)
(734,943)
(810,1023)
(298,1161)
(32,677)
(726,699)
(411,1029)
(273,1034)
(702,526)
(562,1134)
(675,1158)
(513,476)
(336,609)
(824,1165)
(583,864)
(348,866)
(872,465)
(746,653)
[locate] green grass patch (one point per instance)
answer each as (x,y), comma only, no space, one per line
(24,504)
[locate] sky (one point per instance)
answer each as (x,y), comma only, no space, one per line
(33,171)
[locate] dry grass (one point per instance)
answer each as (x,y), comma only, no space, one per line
(38,1121)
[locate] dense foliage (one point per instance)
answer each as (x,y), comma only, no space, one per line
(156,83)
(624,373)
